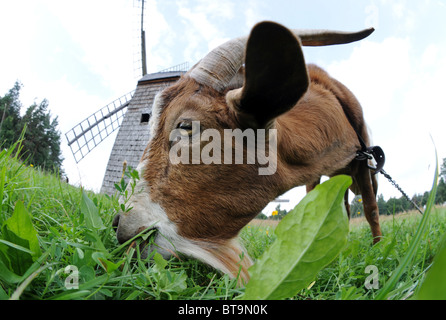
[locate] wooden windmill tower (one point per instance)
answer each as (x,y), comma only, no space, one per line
(133,134)
(130,114)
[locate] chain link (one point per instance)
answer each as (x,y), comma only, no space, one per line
(400,190)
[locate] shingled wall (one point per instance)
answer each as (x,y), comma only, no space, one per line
(133,134)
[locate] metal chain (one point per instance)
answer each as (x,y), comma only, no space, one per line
(400,190)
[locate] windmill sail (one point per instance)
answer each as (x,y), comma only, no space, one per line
(86,135)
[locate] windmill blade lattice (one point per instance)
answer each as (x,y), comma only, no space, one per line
(86,135)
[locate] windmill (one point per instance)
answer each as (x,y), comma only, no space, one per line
(129,114)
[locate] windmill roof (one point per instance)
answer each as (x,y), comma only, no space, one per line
(161,76)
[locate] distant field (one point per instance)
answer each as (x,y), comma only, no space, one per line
(383,218)
(353,222)
(264,223)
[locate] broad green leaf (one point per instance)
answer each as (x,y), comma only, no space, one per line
(21,225)
(308,238)
(3,295)
(93,222)
(106,264)
(160,262)
(91,214)
(19,245)
(7,275)
(93,236)
(167,281)
(17,256)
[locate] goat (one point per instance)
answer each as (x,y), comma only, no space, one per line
(199,209)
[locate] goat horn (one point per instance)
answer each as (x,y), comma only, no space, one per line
(220,65)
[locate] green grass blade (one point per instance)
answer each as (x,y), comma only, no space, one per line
(90,211)
(16,246)
(16,295)
(399,271)
(434,286)
(75,295)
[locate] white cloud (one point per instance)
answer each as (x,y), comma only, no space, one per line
(199,21)
(252,13)
(375,72)
(398,9)
(103,30)
(160,39)
(202,26)
(16,37)
(430,56)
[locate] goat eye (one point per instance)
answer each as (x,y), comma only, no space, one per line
(188,128)
(185,126)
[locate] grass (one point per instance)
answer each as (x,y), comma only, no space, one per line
(106,270)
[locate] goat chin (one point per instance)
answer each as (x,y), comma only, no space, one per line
(228,256)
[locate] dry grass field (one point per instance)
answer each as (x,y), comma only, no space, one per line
(353,222)
(264,223)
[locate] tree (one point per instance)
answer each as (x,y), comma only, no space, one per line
(356,207)
(278,213)
(393,206)
(425,198)
(405,204)
(382,205)
(443,169)
(261,216)
(441,189)
(441,192)
(418,199)
(397,205)
(10,116)
(41,142)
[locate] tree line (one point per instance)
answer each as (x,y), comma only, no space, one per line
(398,205)
(40,146)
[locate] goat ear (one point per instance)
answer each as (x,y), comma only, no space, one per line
(275,76)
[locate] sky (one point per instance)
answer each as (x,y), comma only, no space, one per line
(81,55)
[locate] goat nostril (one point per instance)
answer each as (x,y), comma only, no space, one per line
(116,222)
